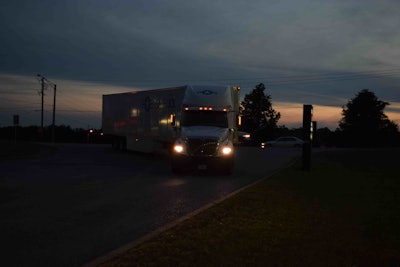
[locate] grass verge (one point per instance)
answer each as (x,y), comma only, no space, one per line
(345,212)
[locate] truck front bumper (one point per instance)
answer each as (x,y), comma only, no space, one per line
(188,163)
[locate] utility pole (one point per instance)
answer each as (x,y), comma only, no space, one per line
(43,80)
(42,94)
(53,135)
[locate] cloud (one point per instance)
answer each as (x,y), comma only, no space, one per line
(159,39)
(305,51)
(331,35)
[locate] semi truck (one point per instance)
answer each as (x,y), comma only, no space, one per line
(195,124)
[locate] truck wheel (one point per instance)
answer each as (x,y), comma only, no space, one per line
(176,169)
(227,169)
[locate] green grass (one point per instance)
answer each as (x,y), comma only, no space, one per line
(345,212)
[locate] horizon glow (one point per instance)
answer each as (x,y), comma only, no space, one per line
(79,104)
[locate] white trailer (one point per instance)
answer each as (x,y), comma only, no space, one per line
(196,124)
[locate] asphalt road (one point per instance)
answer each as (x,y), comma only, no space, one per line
(73,206)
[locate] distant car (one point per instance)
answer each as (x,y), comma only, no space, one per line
(286,141)
(244,138)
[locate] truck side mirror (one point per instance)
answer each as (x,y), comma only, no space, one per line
(172,119)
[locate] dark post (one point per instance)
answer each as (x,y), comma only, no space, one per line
(307,136)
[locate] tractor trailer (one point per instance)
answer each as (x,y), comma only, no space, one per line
(196,124)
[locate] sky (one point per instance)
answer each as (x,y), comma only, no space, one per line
(305,52)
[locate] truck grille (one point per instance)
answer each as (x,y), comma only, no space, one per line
(202,147)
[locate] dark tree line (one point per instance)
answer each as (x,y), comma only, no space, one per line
(364,123)
(258,116)
(62,134)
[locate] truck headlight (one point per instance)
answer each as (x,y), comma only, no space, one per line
(178,148)
(226,150)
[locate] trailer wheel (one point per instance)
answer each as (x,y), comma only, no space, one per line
(123,144)
(119,143)
(115,143)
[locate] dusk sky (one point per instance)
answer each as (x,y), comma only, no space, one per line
(305,51)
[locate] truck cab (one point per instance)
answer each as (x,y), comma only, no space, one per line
(205,135)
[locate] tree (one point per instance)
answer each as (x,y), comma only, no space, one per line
(259,118)
(364,123)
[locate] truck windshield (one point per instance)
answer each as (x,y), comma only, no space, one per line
(205,118)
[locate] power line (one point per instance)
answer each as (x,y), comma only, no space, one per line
(281,79)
